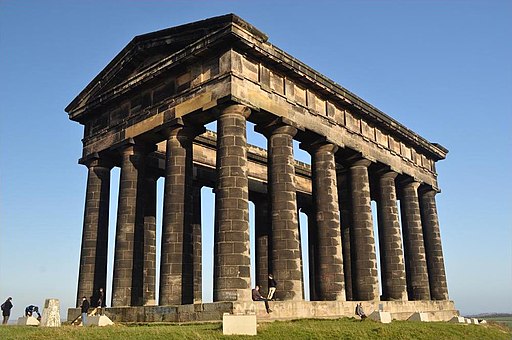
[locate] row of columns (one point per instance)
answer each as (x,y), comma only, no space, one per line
(343,263)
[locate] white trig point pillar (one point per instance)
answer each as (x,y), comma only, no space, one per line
(51,313)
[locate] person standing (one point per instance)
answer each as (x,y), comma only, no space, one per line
(272,284)
(84,308)
(101,301)
(6,310)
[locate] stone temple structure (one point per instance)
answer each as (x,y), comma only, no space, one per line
(145,113)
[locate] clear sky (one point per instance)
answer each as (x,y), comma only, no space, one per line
(442,68)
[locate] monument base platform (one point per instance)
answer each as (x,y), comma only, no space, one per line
(282,310)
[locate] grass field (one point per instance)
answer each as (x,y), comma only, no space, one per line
(506,320)
(301,329)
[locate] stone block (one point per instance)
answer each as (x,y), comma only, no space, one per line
(457,319)
(27,321)
(483,322)
(51,313)
(99,320)
(383,317)
(239,324)
(475,321)
(467,320)
(423,317)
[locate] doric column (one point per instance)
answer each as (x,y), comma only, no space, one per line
(232,265)
(365,284)
(415,261)
(128,255)
(149,279)
(286,256)
(345,205)
(433,248)
(176,263)
(329,257)
(262,224)
(92,274)
(390,240)
(196,239)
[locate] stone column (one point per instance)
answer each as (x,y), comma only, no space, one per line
(232,265)
(286,256)
(345,207)
(390,239)
(176,263)
(415,261)
(262,225)
(197,244)
(128,255)
(149,279)
(365,284)
(329,258)
(92,274)
(433,247)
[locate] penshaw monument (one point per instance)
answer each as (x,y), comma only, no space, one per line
(146,112)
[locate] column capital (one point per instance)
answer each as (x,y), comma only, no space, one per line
(360,162)
(387,173)
(94,160)
(237,109)
(177,127)
(279,125)
(427,190)
(409,181)
(321,144)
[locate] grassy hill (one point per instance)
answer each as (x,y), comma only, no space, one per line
(300,329)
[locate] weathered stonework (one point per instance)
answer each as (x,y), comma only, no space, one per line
(145,113)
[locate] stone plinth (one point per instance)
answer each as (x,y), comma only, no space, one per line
(98,320)
(51,313)
(27,321)
(457,319)
(423,317)
(383,317)
(233,324)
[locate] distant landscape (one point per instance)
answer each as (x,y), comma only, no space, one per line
(501,318)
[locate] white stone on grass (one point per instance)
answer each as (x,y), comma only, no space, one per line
(51,313)
(457,319)
(239,324)
(27,321)
(423,317)
(98,320)
(383,317)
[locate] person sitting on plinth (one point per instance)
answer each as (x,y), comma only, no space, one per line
(256,296)
(360,311)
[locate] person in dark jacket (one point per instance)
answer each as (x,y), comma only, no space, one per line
(256,296)
(272,284)
(6,310)
(31,310)
(84,307)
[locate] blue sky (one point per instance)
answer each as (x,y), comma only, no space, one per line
(442,68)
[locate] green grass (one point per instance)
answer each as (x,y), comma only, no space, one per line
(300,329)
(505,320)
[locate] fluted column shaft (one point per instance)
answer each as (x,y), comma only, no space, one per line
(92,274)
(345,207)
(232,260)
(331,283)
(414,246)
(433,247)
(390,239)
(286,256)
(365,283)
(149,283)
(128,255)
(176,263)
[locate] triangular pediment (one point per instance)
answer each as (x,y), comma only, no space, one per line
(148,49)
